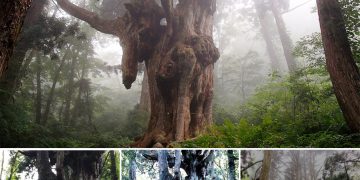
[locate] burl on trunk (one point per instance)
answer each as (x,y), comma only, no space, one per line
(179,57)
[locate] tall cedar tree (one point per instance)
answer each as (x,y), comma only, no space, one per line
(344,73)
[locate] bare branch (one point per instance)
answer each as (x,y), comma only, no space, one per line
(102,25)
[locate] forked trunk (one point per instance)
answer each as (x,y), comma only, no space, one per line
(179,57)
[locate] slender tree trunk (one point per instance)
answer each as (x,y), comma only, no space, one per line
(132,170)
(69,92)
(52,90)
(261,13)
(114,172)
(38,90)
(163,165)
(2,163)
(265,169)
(60,172)
(43,165)
(12,16)
(231,164)
(344,73)
(177,172)
(284,37)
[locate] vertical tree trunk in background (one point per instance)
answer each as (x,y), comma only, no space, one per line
(344,73)
(163,165)
(132,170)
(177,172)
(52,90)
(16,66)
(69,92)
(261,13)
(43,166)
(179,60)
(231,164)
(114,172)
(12,16)
(284,37)
(265,168)
(2,163)
(38,90)
(60,173)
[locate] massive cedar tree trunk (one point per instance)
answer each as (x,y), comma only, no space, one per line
(344,73)
(265,168)
(12,16)
(284,37)
(179,60)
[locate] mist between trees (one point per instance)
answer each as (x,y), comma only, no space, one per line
(59,165)
(300,165)
(180,164)
(202,73)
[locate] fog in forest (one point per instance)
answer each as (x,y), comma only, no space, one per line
(259,77)
(300,164)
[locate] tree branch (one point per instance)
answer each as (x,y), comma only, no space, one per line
(102,25)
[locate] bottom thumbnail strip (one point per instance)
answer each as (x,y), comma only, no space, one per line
(300,165)
(180,165)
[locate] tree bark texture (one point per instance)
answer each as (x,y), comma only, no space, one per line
(44,166)
(12,16)
(265,168)
(179,60)
(231,164)
(132,173)
(60,172)
(114,171)
(344,73)
(10,81)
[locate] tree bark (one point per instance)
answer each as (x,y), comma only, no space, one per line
(231,164)
(177,172)
(344,73)
(284,37)
(60,173)
(10,81)
(43,166)
(132,173)
(179,60)
(163,165)
(2,163)
(11,20)
(114,171)
(144,104)
(265,168)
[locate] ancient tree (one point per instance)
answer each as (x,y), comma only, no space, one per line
(195,163)
(344,73)
(12,16)
(265,168)
(179,55)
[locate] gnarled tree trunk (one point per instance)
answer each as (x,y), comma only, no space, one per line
(344,73)
(179,58)
(12,16)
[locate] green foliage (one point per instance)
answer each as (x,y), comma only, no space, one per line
(300,110)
